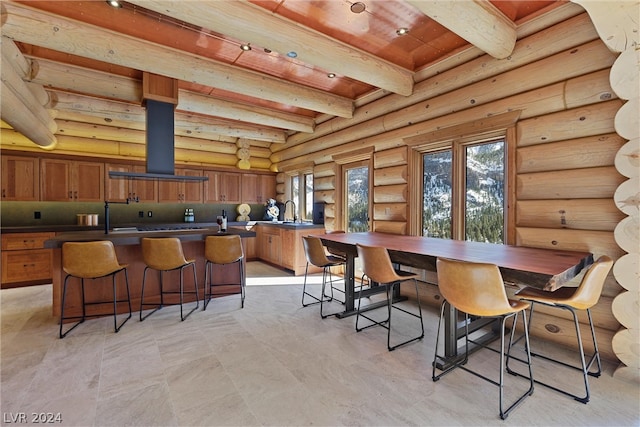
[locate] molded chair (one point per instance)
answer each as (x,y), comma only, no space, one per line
(477,289)
(165,254)
(92,260)
(585,296)
(377,267)
(222,250)
(315,253)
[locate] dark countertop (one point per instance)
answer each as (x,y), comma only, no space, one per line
(100,228)
(130,237)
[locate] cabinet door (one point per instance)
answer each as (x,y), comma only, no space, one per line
(170,191)
(230,187)
(289,251)
(20,178)
(249,191)
(88,181)
(116,189)
(267,188)
(146,190)
(191,190)
(212,190)
(55,180)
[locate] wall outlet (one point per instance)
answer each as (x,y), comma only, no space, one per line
(140,214)
(149,214)
(37,215)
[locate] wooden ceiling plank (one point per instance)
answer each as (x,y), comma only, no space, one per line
(247,22)
(39,28)
(478,22)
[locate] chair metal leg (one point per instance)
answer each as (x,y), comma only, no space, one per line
(195,281)
(504,359)
(142,303)
(419,315)
(584,367)
(208,285)
(116,328)
(62,318)
(304,289)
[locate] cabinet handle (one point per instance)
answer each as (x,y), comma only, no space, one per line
(71,194)
(3,193)
(75,194)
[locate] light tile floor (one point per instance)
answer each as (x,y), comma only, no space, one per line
(272,363)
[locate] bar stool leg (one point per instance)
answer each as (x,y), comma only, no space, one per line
(64,295)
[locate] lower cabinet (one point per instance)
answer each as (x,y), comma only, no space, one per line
(282,246)
(24,259)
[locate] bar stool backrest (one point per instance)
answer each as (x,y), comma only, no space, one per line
(588,293)
(163,253)
(223,249)
(474,288)
(314,251)
(376,264)
(89,259)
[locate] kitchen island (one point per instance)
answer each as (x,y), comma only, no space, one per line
(128,250)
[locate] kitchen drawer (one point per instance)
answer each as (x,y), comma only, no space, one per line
(26,266)
(22,241)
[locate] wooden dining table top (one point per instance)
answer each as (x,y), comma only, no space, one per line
(543,268)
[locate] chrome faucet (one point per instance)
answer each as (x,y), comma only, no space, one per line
(295,218)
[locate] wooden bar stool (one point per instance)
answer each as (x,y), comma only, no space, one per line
(477,289)
(165,254)
(585,296)
(222,250)
(92,260)
(315,253)
(377,267)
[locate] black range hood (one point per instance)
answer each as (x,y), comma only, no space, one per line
(160,146)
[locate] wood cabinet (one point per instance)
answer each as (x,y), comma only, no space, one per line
(269,244)
(72,181)
(222,187)
(283,246)
(258,188)
(121,189)
(24,259)
(20,178)
(181,191)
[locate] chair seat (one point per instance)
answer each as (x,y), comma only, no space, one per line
(559,296)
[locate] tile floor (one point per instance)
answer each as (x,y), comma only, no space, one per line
(272,363)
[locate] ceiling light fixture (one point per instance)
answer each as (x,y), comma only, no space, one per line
(245,47)
(402,31)
(331,75)
(358,7)
(114,3)
(292,54)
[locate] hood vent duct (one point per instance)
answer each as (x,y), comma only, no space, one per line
(160,151)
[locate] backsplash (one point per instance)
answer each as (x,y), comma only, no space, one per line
(18,214)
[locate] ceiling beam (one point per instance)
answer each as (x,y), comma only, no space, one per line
(39,28)
(250,23)
(477,21)
(100,84)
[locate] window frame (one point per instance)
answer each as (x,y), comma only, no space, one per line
(472,133)
(300,174)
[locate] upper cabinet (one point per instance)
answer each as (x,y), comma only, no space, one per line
(120,189)
(258,188)
(20,178)
(181,191)
(71,181)
(222,187)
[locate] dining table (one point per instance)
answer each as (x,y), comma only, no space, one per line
(547,269)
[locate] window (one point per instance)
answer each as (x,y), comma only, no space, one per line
(357,199)
(463,187)
(302,197)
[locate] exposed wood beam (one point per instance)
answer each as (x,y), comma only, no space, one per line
(98,83)
(245,21)
(65,35)
(124,115)
(20,107)
(477,21)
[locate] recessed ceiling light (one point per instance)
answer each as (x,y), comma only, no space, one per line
(402,31)
(358,7)
(245,47)
(331,75)
(292,54)
(114,3)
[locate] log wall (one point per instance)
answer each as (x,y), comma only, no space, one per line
(566,145)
